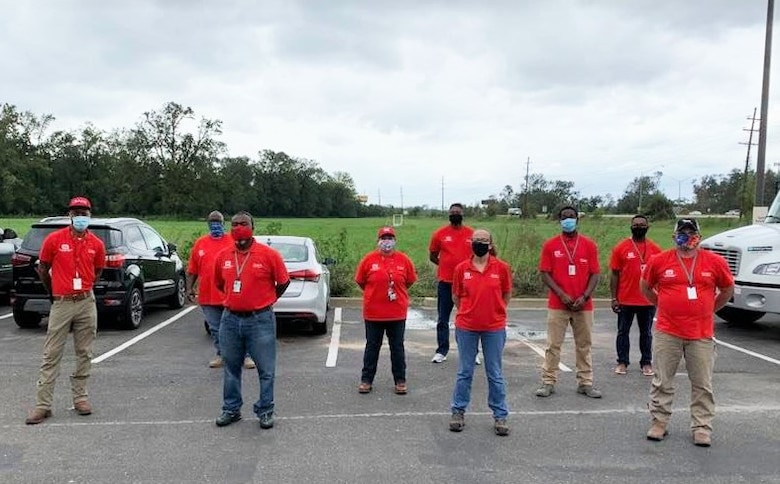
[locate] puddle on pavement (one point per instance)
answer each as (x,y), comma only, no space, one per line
(416,319)
(524,332)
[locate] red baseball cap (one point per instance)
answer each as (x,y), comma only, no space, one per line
(80,202)
(385,231)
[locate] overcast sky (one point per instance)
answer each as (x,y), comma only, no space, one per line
(405,94)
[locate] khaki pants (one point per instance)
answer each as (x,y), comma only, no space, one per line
(699,361)
(581,326)
(82,315)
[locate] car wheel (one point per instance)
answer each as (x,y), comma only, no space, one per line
(321,328)
(134,310)
(179,298)
(26,319)
(739,316)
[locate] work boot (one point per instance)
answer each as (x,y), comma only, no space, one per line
(702,438)
(657,431)
(500,427)
(83,407)
(37,415)
(588,391)
(545,390)
(457,421)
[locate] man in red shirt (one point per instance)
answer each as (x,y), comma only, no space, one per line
(481,289)
(70,261)
(252,276)
(688,286)
(629,258)
(569,265)
(450,245)
(385,276)
(200,270)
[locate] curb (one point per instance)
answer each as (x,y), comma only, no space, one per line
(430,303)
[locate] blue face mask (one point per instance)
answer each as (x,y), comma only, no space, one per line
(80,222)
(568,225)
(216,229)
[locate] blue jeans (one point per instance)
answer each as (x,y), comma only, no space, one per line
(256,336)
(644,319)
(444,305)
(492,349)
(375,331)
(213,315)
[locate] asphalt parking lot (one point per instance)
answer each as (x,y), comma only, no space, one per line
(155,404)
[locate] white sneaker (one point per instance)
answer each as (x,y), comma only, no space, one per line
(438,358)
(477,361)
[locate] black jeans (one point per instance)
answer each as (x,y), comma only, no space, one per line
(644,319)
(444,305)
(375,331)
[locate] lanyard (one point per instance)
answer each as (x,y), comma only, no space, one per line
(641,254)
(571,254)
(240,268)
(688,275)
(389,269)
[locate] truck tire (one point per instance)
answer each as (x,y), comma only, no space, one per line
(26,319)
(739,316)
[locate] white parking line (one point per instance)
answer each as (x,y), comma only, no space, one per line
(6,315)
(335,337)
(143,335)
(747,352)
(539,351)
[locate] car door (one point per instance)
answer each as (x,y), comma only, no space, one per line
(164,283)
(144,257)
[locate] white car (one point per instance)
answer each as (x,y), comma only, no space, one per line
(307,298)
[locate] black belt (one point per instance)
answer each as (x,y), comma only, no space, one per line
(79,296)
(249,314)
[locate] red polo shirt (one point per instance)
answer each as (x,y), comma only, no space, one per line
(202,259)
(453,245)
(629,257)
(72,257)
(261,270)
(677,314)
(374,273)
(558,253)
(481,305)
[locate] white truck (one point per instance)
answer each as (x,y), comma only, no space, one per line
(753,255)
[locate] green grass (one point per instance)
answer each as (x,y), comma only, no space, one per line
(518,242)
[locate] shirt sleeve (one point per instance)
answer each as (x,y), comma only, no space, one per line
(648,275)
(280,270)
(46,254)
(506,283)
(614,258)
(218,280)
(457,277)
(411,273)
(100,254)
(360,275)
(193,263)
(593,258)
(545,260)
(724,279)
(435,244)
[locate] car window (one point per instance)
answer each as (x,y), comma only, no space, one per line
(291,252)
(153,239)
(34,237)
(134,239)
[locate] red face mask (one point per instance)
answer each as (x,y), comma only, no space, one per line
(241,232)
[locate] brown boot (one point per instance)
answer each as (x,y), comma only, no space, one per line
(37,415)
(702,438)
(83,407)
(657,431)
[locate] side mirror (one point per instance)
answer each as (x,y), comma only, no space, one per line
(9,234)
(329,261)
(171,247)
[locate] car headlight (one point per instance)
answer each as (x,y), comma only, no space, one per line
(771,269)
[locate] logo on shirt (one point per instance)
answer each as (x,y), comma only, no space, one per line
(494,276)
(630,255)
(467,275)
(201,253)
(669,273)
(706,274)
(374,267)
(227,264)
(65,248)
(257,265)
(447,238)
(557,253)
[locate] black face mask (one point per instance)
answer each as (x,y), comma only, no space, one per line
(456,219)
(638,232)
(480,248)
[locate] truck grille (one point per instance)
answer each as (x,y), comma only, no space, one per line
(732,257)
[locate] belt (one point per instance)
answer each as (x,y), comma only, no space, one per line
(79,296)
(248,314)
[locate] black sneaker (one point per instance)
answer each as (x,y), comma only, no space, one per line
(266,421)
(501,427)
(457,421)
(227,418)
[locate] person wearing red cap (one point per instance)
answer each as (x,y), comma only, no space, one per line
(385,276)
(449,246)
(71,260)
(688,286)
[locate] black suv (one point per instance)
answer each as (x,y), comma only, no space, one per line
(140,268)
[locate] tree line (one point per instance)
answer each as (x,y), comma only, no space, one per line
(174,165)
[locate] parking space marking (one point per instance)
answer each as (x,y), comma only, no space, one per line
(540,351)
(747,352)
(143,335)
(632,410)
(335,337)
(6,315)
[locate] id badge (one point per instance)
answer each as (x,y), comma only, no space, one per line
(692,293)
(642,267)
(572,270)
(76,283)
(236,286)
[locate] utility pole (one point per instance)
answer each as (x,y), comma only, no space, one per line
(442,194)
(525,195)
(759,200)
(379,196)
(745,201)
(402,200)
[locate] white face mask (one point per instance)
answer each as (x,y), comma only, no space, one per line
(386,245)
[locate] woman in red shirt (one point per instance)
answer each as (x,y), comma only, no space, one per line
(481,288)
(385,276)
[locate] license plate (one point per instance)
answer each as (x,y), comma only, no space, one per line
(37,305)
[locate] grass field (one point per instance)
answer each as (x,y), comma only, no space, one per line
(518,242)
